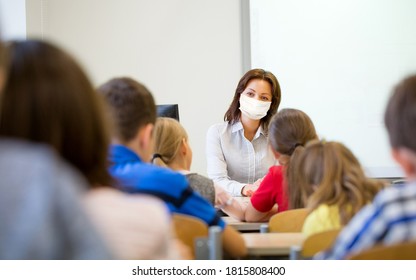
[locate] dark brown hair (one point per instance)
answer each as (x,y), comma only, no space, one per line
(329,173)
(3,65)
(131,104)
(2,55)
(400,115)
(233,113)
(49,99)
(289,131)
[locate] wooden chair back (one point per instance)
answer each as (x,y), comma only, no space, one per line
(188,228)
(318,242)
(288,221)
(400,251)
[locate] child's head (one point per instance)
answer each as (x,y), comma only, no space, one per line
(400,120)
(170,142)
(288,130)
(49,99)
(329,173)
(133,112)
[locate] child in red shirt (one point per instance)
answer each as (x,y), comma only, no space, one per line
(289,131)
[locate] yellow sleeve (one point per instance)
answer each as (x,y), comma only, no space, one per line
(322,218)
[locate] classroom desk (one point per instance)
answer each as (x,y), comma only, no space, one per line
(271,244)
(242,226)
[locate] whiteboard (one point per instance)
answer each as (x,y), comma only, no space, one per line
(338,62)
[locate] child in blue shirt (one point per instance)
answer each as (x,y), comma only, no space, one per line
(133,113)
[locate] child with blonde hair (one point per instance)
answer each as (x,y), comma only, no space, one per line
(391,218)
(172,149)
(333,185)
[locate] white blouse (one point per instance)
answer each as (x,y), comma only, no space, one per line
(232,160)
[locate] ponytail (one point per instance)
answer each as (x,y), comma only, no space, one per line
(297,197)
(157,159)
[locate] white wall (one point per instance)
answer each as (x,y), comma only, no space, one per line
(185,51)
(339,64)
(12,19)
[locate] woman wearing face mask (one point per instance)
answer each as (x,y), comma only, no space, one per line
(238,155)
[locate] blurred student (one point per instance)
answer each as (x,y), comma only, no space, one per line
(134,115)
(289,131)
(391,218)
(48,99)
(40,209)
(333,184)
(237,152)
(172,149)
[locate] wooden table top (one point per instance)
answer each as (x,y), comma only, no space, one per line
(242,226)
(272,244)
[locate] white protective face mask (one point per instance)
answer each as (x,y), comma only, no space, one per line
(253,108)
